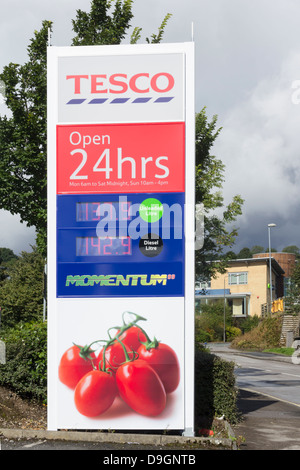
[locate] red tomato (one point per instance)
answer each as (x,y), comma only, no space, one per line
(133,337)
(141,388)
(95,393)
(73,366)
(164,361)
(114,356)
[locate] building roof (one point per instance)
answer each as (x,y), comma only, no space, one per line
(246,261)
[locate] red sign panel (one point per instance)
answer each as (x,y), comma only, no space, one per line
(120,158)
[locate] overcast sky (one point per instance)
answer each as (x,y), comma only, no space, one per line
(247,67)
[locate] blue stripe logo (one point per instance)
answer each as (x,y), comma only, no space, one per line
(164,99)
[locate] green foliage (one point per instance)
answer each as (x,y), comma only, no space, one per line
(21,294)
(248,323)
(244,253)
(215,390)
(292,249)
(257,249)
(102,25)
(23,144)
(7,257)
(157,38)
(232,332)
(211,321)
(25,370)
(266,335)
(202,336)
(283,351)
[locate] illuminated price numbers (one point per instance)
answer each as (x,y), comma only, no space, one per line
(95,211)
(109,246)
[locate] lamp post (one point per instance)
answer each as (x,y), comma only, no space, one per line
(270,264)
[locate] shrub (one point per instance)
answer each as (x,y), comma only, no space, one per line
(247,324)
(211,320)
(25,370)
(215,391)
(265,335)
(232,332)
(202,336)
(21,294)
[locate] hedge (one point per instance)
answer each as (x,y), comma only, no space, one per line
(25,370)
(215,390)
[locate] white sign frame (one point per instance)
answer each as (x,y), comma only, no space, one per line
(54,54)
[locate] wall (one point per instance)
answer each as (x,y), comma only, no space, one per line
(286,260)
(258,277)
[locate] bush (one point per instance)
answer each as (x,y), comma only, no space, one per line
(211,320)
(232,332)
(21,294)
(25,370)
(265,335)
(248,323)
(215,391)
(202,336)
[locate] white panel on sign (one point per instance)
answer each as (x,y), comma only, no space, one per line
(139,88)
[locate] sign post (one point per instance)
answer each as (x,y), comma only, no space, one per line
(121,233)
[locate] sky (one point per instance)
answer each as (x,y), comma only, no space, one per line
(247,73)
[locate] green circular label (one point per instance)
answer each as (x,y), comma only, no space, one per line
(151,210)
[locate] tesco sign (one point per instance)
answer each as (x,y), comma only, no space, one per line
(121,236)
(138,87)
(118,83)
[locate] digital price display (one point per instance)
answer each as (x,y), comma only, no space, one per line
(127,235)
(96,246)
(94,211)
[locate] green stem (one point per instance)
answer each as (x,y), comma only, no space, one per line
(117,336)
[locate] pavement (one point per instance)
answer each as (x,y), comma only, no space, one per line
(267,424)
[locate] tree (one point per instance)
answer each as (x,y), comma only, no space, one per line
(7,256)
(104,25)
(23,136)
(209,181)
(21,294)
(244,253)
(23,142)
(98,27)
(257,249)
(292,249)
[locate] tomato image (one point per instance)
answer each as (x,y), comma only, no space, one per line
(114,357)
(74,364)
(133,337)
(163,359)
(141,388)
(95,393)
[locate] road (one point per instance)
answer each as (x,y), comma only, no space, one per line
(269,400)
(274,378)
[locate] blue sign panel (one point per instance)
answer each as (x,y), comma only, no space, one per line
(129,245)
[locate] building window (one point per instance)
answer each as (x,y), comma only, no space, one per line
(237,278)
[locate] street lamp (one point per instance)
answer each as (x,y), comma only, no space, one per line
(270,264)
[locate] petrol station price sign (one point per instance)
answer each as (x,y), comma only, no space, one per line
(120,275)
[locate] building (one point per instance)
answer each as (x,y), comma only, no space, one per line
(245,286)
(287,261)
